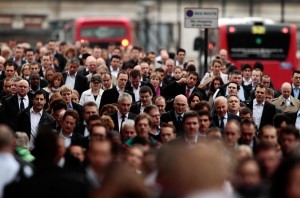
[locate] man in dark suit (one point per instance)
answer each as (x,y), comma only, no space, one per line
(146,96)
(248,134)
(33,118)
(296,84)
(185,87)
(222,116)
(12,105)
(191,136)
(73,79)
(263,111)
(36,84)
(176,115)
(124,103)
(111,95)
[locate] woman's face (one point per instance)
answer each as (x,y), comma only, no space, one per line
(177,74)
(57,82)
(96,85)
(217,84)
(194,101)
(26,71)
(155,81)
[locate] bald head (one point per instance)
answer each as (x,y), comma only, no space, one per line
(286,90)
(180,104)
(221,106)
(23,88)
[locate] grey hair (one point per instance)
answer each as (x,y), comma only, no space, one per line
(123,96)
(22,140)
(127,123)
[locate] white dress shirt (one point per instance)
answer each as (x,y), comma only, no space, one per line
(225,119)
(67,140)
(70,80)
(25,101)
(257,112)
(114,72)
(35,118)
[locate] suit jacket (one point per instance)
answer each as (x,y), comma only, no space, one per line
(23,122)
(294,94)
(79,110)
(268,113)
(114,117)
(111,96)
(280,104)
(229,117)
(223,88)
(130,88)
(174,89)
(136,108)
(254,142)
(10,109)
(81,83)
(170,116)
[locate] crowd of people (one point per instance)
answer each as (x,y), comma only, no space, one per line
(82,121)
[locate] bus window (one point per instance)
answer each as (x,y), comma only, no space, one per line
(102,32)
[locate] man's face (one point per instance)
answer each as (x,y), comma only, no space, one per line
(18,52)
(247,73)
(35,68)
(167,134)
(68,124)
(135,54)
(268,97)
(135,81)
(73,69)
(7,86)
(46,61)
(232,89)
(260,94)
(124,106)
(52,46)
(266,81)
(233,104)
(161,104)
(122,80)
(38,102)
(270,135)
(237,78)
(29,56)
(181,56)
(204,123)
(100,155)
(9,71)
(191,80)
(92,65)
(248,133)
(269,159)
(106,80)
(154,113)
(143,127)
(115,63)
(247,116)
(55,115)
(145,69)
(128,132)
(170,65)
(146,98)
(296,79)
(89,111)
(67,96)
(180,105)
(152,58)
(35,80)
(288,142)
(221,107)
(256,76)
(191,127)
(23,88)
(286,92)
(98,133)
(231,134)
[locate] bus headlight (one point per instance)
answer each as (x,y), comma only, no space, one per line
(125,42)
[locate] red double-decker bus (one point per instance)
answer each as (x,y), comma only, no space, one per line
(249,40)
(100,31)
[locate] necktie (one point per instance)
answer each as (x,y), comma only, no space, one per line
(22,106)
(187,94)
(179,118)
(222,123)
(123,120)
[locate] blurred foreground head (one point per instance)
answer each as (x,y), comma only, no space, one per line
(203,168)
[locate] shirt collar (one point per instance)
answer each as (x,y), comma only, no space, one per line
(71,75)
(120,115)
(255,102)
(32,111)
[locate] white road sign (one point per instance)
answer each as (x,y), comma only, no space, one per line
(201,17)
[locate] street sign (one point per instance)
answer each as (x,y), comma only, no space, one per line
(201,17)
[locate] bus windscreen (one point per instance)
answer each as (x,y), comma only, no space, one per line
(102,32)
(258,42)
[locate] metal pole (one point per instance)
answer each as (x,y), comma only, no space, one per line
(158,31)
(146,30)
(205,50)
(282,3)
(223,8)
(178,23)
(250,8)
